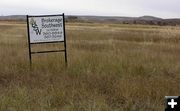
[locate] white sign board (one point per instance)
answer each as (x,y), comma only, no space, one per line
(46,28)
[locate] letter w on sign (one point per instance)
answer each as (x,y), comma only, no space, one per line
(35,27)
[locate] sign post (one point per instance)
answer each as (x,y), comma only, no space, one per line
(46,29)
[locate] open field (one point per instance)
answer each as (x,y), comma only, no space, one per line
(111,67)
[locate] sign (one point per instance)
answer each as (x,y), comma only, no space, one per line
(46,28)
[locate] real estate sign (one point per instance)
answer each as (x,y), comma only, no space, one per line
(46,28)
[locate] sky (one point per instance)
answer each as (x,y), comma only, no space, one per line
(132,8)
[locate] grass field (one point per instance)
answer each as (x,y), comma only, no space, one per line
(111,67)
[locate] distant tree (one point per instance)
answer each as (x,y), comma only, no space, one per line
(159,23)
(72,18)
(151,23)
(125,22)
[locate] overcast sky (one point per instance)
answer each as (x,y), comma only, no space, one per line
(159,8)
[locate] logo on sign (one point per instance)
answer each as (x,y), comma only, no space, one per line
(35,27)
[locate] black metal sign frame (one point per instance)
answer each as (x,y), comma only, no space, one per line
(48,51)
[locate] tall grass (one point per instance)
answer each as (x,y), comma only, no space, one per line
(111,67)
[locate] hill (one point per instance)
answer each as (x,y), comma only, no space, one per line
(150,20)
(14,17)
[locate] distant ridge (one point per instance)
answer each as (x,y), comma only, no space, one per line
(151,20)
(13,17)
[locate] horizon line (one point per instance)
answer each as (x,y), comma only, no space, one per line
(90,15)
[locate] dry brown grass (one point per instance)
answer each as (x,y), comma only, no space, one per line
(112,67)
